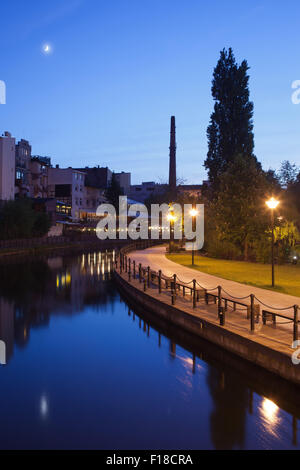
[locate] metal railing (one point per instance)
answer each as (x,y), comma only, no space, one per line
(218,295)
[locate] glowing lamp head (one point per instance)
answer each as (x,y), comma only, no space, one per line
(272,203)
(171,217)
(193,212)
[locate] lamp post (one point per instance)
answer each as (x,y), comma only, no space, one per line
(171,217)
(272,204)
(193,213)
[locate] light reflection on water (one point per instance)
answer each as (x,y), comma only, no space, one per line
(91,369)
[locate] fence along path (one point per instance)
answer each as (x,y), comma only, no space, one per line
(281,323)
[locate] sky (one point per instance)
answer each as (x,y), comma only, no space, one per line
(119,69)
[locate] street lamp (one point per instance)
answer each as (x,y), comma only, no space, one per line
(272,204)
(171,218)
(193,213)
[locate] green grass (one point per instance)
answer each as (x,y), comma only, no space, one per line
(287,277)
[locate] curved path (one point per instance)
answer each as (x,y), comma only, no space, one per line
(156,259)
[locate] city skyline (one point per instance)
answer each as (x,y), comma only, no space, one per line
(105,93)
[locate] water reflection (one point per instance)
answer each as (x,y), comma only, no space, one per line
(227,422)
(44,407)
(190,393)
(233,398)
(33,291)
(270,416)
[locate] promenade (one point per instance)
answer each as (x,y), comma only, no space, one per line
(156,259)
(277,335)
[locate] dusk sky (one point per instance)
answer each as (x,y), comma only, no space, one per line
(120,68)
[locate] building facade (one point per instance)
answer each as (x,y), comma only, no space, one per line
(38,176)
(124,180)
(7,167)
(23,157)
(67,185)
(141,192)
(191,190)
(97,177)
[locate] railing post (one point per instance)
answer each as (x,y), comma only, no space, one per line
(252,312)
(221,309)
(133,269)
(194,293)
(129,270)
(175,282)
(126,264)
(148,276)
(173,294)
(121,264)
(295,335)
(219,299)
(159,281)
(140,272)
(145,284)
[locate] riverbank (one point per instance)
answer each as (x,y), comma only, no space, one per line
(64,243)
(253,274)
(266,346)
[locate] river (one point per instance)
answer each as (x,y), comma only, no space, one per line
(87,370)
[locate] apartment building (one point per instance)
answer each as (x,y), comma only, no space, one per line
(23,157)
(38,176)
(67,185)
(124,180)
(7,167)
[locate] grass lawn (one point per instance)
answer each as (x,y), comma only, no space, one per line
(287,277)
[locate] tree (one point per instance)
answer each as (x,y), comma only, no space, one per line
(113,192)
(288,173)
(292,195)
(230,131)
(239,209)
(19,220)
(273,181)
(41,224)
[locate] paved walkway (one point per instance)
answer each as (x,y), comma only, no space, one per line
(279,338)
(156,259)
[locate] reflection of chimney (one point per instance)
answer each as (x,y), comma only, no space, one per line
(172,170)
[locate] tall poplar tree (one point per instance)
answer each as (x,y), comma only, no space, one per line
(230,132)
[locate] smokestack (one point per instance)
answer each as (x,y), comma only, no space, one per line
(172,169)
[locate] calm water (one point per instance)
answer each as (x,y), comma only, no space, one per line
(84,370)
